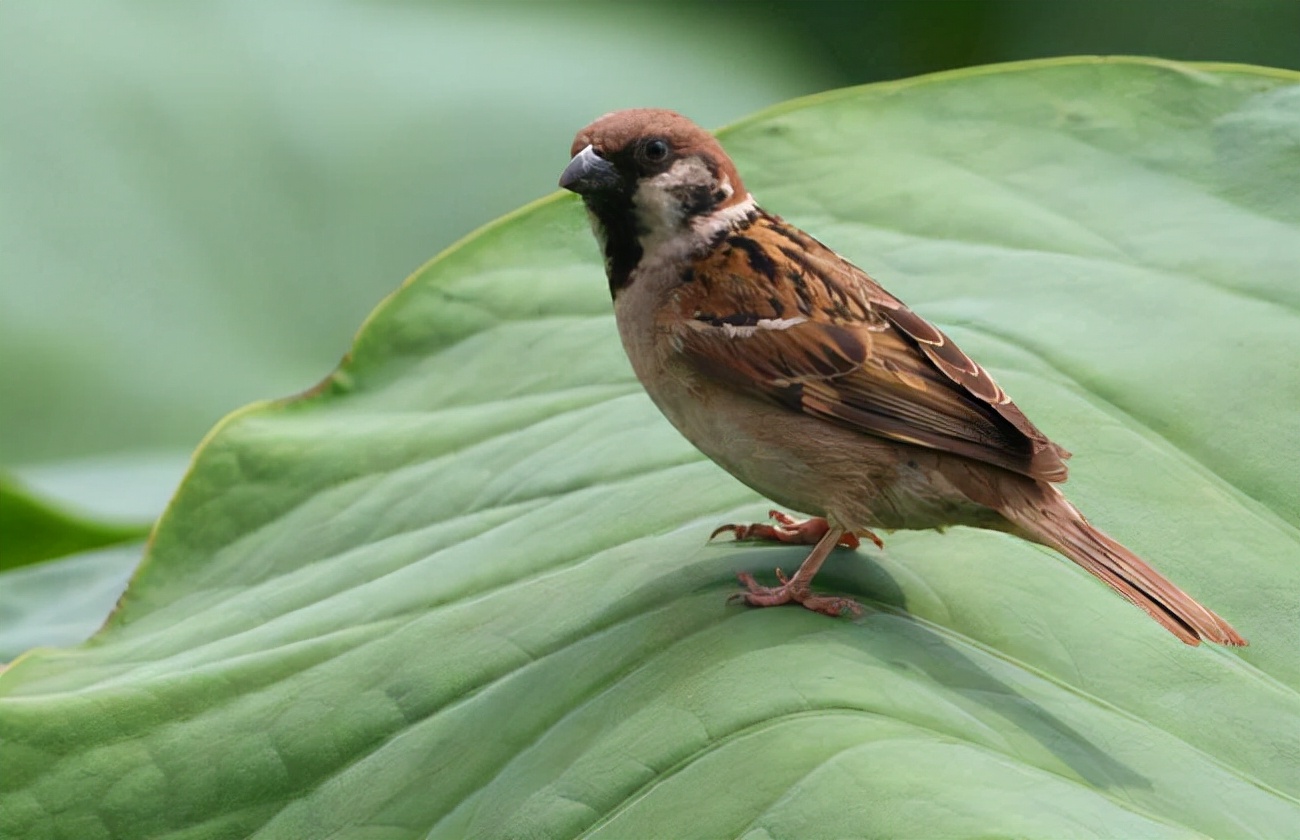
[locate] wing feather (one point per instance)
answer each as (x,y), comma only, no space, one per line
(825,339)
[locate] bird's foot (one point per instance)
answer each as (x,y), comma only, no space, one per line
(792,591)
(791,530)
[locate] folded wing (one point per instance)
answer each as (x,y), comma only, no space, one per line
(832,343)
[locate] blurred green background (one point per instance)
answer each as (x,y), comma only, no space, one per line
(199,203)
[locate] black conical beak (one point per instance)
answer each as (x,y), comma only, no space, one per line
(588,172)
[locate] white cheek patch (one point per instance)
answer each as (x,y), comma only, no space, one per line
(658,212)
(666,235)
(658,201)
(687,172)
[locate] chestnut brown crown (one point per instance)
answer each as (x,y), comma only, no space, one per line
(619,134)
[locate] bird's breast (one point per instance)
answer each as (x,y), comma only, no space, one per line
(798,461)
(779,453)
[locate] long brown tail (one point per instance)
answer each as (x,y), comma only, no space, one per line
(1057,524)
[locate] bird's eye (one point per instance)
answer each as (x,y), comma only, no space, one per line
(656,151)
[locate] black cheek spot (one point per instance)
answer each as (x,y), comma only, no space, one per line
(696,200)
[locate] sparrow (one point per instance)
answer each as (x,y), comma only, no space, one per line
(801,376)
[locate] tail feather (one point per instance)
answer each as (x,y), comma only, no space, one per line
(1054,522)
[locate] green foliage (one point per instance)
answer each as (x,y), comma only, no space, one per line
(891,39)
(63,564)
(61,602)
(34,530)
(461,589)
(60,571)
(201,201)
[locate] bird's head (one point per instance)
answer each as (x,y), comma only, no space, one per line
(651,180)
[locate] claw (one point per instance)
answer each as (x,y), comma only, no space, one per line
(791,530)
(797,587)
(756,595)
(736,529)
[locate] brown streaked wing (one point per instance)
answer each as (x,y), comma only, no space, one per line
(857,355)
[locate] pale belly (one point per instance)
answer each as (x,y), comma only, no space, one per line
(802,463)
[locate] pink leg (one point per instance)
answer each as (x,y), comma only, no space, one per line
(797,589)
(791,530)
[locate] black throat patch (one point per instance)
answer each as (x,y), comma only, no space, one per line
(617,216)
(617,220)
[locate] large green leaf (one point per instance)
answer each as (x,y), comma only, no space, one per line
(33,530)
(462,588)
(63,565)
(61,602)
(201,201)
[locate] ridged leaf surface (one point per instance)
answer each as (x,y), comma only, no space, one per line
(462,588)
